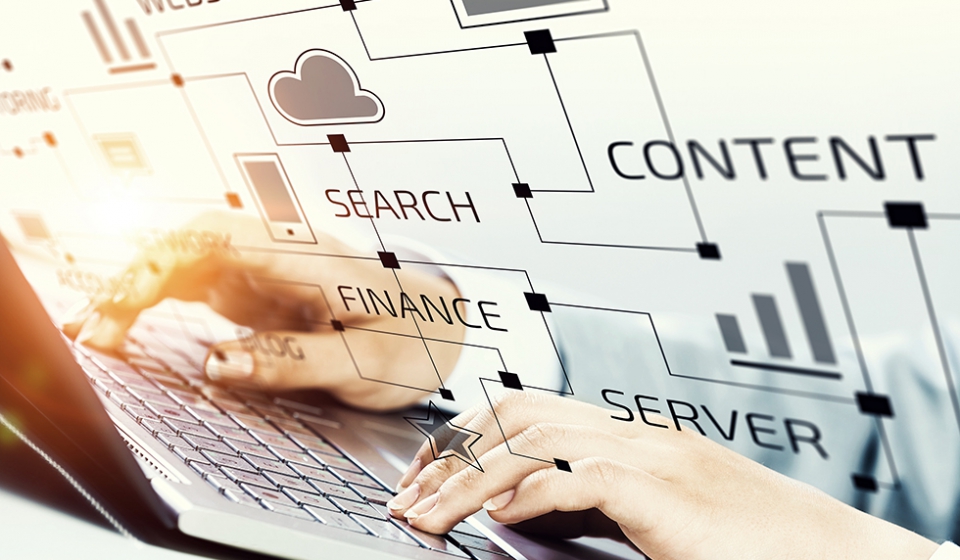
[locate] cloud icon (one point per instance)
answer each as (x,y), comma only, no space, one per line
(323,89)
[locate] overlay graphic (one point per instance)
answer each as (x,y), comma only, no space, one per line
(323,90)
(446,439)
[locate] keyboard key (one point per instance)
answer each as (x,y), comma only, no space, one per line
(233,433)
(431,541)
(292,482)
(486,554)
(336,519)
(257,425)
(152,398)
(356,478)
(256,449)
(141,384)
(266,409)
(297,456)
(155,427)
(172,441)
(339,463)
(289,425)
(467,529)
(357,508)
(217,483)
(331,491)
(207,471)
(187,428)
(315,444)
(273,497)
(188,455)
(276,441)
(477,543)
(296,405)
(184,393)
(210,445)
(174,412)
(291,511)
(139,412)
(229,405)
(248,478)
(373,495)
(317,474)
(233,462)
(387,530)
(271,465)
(308,499)
(239,497)
(212,416)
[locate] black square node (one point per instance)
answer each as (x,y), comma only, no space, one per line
(522,190)
(447,395)
(537,302)
(511,380)
(233,199)
(389,260)
(865,483)
(906,215)
(709,251)
(337,325)
(874,405)
(339,143)
(563,465)
(348,5)
(540,41)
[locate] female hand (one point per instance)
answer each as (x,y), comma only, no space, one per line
(291,302)
(674,495)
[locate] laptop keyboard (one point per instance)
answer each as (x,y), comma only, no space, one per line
(258,450)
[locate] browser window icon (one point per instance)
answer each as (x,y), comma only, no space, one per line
(473,13)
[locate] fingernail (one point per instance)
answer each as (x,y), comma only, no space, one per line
(405,499)
(89,327)
(412,471)
(499,501)
(422,508)
(232,364)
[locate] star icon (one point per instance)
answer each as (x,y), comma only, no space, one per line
(446,439)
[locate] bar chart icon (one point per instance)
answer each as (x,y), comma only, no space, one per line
(116,53)
(775,335)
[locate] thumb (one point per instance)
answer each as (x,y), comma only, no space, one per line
(279,361)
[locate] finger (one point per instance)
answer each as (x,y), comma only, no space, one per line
(288,360)
(625,494)
(281,360)
(467,490)
(516,411)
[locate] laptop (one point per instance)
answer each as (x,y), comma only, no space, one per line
(165,455)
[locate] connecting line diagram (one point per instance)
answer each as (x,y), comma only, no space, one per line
(871,403)
(35,145)
(522,190)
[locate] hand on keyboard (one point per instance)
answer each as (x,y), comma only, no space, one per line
(675,495)
(313,325)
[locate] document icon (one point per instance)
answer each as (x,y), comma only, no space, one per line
(123,153)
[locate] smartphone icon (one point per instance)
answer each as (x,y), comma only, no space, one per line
(277,202)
